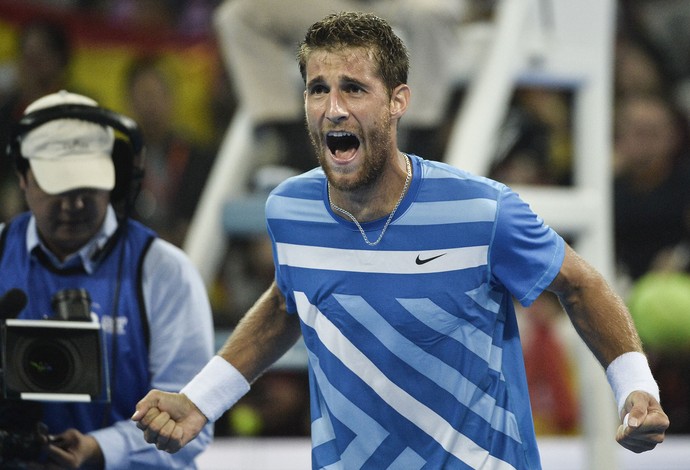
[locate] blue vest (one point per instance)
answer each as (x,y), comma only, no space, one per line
(127,357)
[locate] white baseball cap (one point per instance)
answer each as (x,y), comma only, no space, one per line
(67,154)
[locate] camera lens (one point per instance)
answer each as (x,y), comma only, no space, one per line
(61,358)
(48,365)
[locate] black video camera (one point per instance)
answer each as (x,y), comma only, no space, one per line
(58,359)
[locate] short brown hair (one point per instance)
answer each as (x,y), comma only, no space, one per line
(356,29)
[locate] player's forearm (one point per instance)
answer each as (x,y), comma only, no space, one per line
(598,314)
(603,322)
(263,335)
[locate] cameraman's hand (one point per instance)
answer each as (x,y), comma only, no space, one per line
(72,449)
(169,420)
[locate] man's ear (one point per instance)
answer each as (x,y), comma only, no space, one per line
(400,98)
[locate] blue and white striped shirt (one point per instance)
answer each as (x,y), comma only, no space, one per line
(414,354)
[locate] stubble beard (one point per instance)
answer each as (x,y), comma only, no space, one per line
(378,145)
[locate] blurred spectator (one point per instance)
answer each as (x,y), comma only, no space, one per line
(42,67)
(637,68)
(552,107)
(521,167)
(190,18)
(664,26)
(154,15)
(176,168)
(259,40)
(67,5)
(184,17)
(651,190)
(535,139)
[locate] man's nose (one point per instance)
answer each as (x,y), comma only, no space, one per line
(337,111)
(73,201)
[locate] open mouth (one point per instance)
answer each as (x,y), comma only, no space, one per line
(341,142)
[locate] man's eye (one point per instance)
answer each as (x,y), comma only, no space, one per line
(352,88)
(317,90)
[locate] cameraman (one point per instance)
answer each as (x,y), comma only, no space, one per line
(149,298)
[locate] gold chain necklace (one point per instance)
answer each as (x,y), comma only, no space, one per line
(390,217)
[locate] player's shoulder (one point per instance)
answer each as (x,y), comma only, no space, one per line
(305,186)
(446,178)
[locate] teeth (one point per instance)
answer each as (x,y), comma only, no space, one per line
(341,140)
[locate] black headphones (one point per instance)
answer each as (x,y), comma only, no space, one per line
(128,150)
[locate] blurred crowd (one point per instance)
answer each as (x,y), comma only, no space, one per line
(650,160)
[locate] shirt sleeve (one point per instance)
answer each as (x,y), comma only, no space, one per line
(525,254)
(181,327)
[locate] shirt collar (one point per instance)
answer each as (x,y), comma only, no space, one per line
(85,256)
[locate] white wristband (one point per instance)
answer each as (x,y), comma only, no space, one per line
(629,372)
(216,388)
